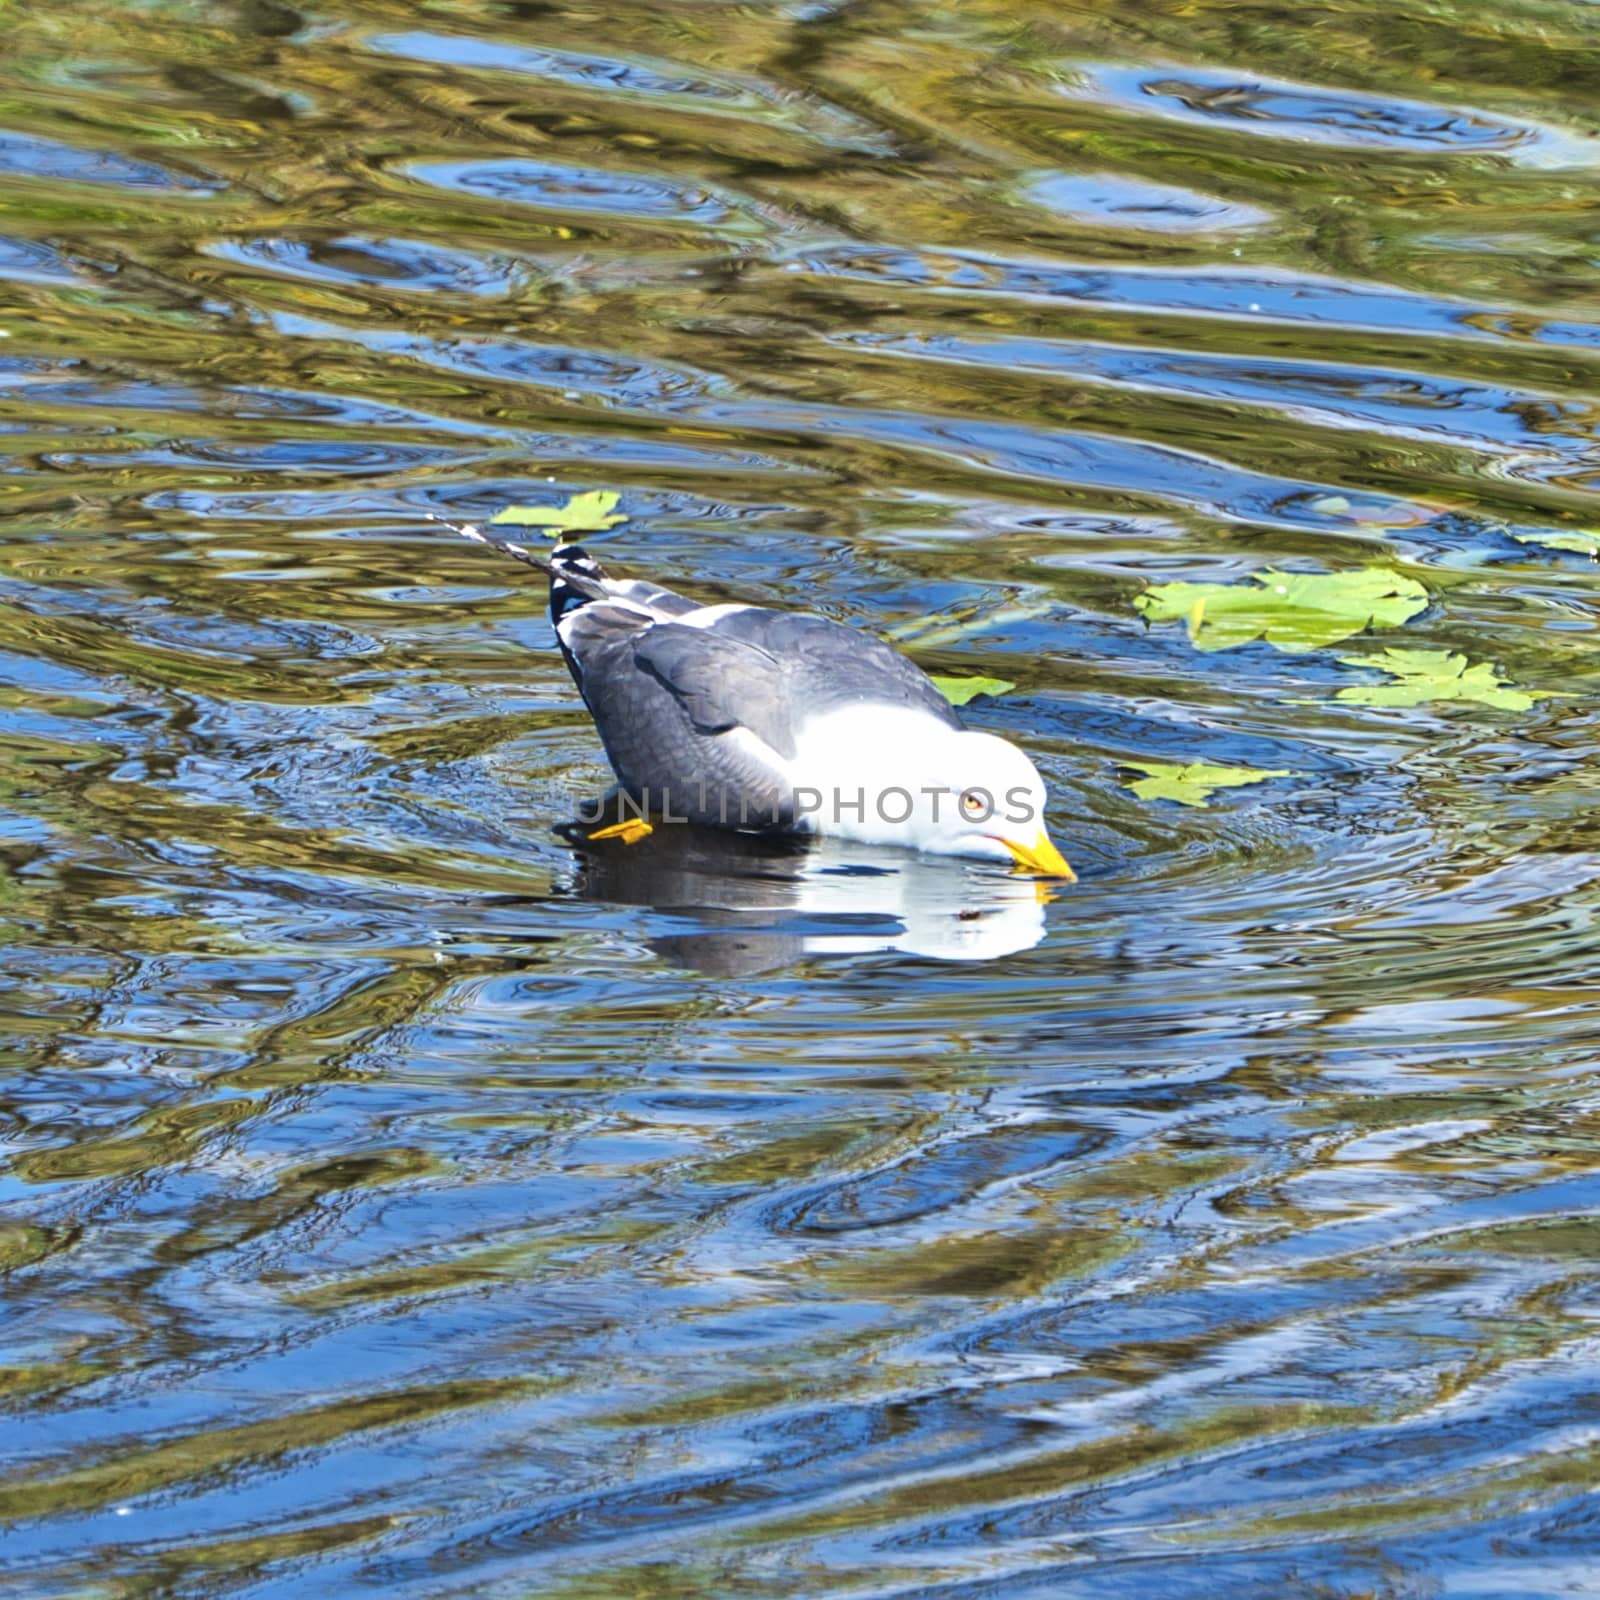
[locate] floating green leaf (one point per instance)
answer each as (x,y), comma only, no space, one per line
(1584,541)
(1424,675)
(1194,783)
(583,513)
(1292,610)
(958,691)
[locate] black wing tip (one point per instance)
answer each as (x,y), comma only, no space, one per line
(576,578)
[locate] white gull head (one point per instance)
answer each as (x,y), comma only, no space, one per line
(895,775)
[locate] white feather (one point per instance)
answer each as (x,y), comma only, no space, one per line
(708,616)
(887,774)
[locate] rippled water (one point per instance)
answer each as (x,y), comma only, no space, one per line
(396,1199)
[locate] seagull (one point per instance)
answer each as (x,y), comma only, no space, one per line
(759,719)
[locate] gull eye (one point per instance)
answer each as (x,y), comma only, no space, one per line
(976,804)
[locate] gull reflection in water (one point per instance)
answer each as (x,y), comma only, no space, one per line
(747,903)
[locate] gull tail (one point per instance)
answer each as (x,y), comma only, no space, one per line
(575,577)
(517,552)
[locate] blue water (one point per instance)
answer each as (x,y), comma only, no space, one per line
(394,1196)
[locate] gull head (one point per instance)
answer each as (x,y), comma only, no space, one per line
(894,776)
(986,800)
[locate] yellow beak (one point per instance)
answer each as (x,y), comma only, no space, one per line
(1041,857)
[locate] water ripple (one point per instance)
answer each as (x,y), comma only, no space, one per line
(1272,108)
(633,197)
(24,155)
(1249,293)
(406,264)
(395,1192)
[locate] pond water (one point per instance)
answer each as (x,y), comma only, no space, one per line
(395,1199)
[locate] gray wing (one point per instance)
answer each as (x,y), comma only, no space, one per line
(720,683)
(828,666)
(665,697)
(660,695)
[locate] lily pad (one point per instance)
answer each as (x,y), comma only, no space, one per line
(1425,675)
(1292,610)
(1193,784)
(583,513)
(1582,540)
(958,691)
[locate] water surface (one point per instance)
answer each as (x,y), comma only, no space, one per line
(397,1198)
